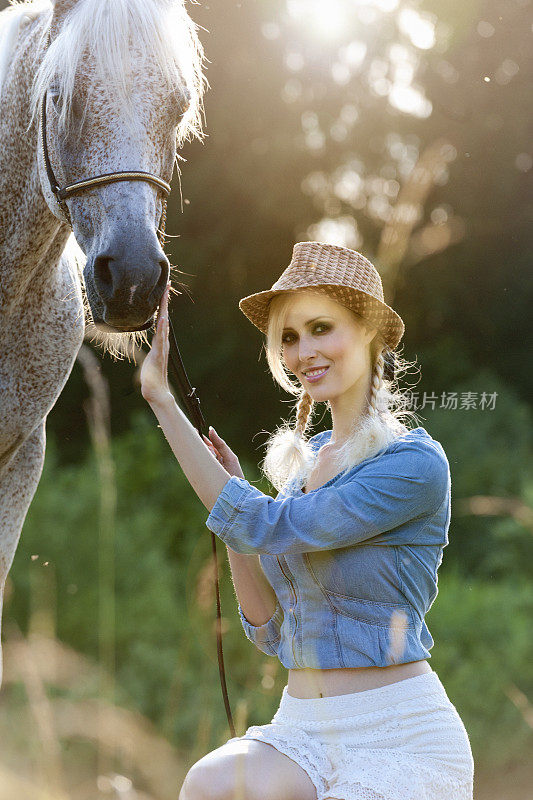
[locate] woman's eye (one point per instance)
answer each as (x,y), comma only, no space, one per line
(287,340)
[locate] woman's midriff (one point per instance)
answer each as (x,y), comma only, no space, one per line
(307,683)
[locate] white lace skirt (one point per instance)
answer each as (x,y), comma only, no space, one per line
(404,741)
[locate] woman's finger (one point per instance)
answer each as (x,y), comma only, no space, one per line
(166,343)
(214,434)
(163,306)
(208,443)
(155,349)
(211,447)
(161,319)
(162,313)
(162,327)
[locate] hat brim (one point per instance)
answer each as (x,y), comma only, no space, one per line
(390,325)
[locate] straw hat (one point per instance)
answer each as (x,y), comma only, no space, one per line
(344,274)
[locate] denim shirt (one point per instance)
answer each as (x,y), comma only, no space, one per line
(354,562)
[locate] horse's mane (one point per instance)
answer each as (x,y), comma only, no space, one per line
(161,28)
(11,21)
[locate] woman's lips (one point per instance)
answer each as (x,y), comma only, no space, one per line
(315,378)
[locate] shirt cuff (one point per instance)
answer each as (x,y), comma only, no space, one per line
(227,505)
(268,632)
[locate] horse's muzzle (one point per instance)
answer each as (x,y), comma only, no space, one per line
(105,327)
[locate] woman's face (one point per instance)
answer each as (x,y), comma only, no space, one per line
(320,333)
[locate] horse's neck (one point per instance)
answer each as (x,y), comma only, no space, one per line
(32,238)
(41,314)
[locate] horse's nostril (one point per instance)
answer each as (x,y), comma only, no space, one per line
(162,281)
(130,281)
(165,271)
(102,272)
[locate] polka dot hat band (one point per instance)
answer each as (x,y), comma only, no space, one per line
(344,274)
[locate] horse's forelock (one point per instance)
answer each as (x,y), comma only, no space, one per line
(162,29)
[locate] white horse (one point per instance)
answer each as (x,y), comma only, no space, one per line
(122,86)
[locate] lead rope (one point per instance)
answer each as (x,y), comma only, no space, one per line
(192,404)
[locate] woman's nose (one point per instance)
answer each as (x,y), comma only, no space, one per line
(306,349)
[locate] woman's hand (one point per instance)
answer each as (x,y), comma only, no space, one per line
(223,453)
(154,380)
(155,388)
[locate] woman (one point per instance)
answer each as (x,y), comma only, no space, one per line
(334,575)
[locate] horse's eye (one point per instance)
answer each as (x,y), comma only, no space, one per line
(185,102)
(182,100)
(55,95)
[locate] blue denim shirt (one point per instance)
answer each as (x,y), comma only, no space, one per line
(354,562)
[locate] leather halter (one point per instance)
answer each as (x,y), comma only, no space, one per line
(62,194)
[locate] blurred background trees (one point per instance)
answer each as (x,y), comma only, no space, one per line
(403,130)
(317,117)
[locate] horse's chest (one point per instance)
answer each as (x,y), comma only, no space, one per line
(39,344)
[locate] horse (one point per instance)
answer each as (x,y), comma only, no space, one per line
(87,88)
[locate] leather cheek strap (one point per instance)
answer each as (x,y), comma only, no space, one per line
(58,207)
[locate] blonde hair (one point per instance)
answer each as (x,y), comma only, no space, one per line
(289,455)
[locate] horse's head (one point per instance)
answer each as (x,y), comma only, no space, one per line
(123,85)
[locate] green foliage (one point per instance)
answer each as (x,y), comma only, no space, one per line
(483,648)
(490,454)
(158,523)
(166,662)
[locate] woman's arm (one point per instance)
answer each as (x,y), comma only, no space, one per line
(255,595)
(208,477)
(208,465)
(205,474)
(407,484)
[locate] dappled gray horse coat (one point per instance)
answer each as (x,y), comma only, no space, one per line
(124,81)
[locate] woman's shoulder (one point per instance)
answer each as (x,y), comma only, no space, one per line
(415,439)
(422,454)
(418,439)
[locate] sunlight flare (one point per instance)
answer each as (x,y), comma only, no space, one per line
(326,20)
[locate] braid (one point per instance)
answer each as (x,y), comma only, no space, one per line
(377,383)
(304,408)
